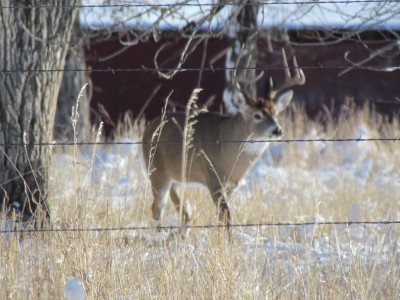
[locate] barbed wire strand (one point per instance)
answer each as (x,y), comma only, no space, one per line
(208,226)
(187,4)
(212,69)
(286,141)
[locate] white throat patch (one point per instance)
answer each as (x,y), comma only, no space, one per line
(257,147)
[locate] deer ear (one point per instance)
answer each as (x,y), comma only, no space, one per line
(283,101)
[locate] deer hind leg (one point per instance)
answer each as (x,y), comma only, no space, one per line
(160,188)
(177,202)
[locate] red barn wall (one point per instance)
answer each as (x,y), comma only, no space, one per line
(123,91)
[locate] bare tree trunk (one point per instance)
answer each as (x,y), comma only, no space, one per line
(244,46)
(71,85)
(32,40)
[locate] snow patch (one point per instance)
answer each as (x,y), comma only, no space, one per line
(75,289)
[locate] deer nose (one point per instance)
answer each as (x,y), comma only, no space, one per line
(277,131)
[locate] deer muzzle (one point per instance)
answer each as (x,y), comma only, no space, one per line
(277,132)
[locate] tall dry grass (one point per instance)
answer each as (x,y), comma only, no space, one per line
(106,187)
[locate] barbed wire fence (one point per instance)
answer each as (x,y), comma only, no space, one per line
(251,141)
(199,227)
(393,67)
(360,139)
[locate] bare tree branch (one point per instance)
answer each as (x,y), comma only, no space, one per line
(370,57)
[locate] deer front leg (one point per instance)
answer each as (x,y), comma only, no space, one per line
(220,195)
(160,187)
(177,202)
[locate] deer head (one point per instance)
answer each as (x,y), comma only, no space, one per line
(264,109)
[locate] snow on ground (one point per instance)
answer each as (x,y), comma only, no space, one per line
(74,289)
(120,167)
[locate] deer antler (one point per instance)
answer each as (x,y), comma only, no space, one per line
(249,99)
(235,81)
(298,78)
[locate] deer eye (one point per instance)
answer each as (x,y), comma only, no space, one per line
(258,116)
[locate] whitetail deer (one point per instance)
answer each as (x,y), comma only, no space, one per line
(218,166)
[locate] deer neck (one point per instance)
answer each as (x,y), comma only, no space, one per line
(236,129)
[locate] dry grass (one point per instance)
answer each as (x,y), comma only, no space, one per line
(308,181)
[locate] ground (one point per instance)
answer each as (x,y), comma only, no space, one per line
(99,187)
